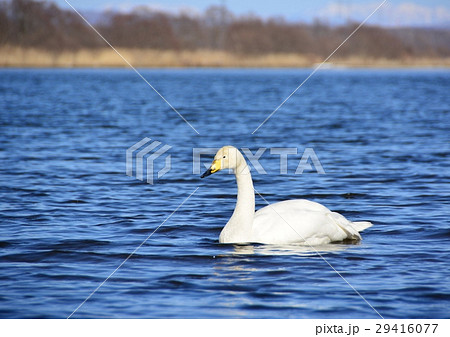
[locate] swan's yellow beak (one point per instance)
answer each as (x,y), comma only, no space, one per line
(215,166)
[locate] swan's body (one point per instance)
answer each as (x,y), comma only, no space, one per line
(286,222)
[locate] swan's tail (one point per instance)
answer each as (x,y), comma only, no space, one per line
(361,225)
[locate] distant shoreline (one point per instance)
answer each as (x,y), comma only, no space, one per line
(15,57)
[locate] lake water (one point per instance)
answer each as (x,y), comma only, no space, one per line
(70,215)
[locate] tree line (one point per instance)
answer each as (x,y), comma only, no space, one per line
(38,24)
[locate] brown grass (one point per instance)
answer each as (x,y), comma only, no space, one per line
(147,58)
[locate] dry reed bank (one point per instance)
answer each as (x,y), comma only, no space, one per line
(16,57)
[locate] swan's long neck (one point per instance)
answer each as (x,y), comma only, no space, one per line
(239,227)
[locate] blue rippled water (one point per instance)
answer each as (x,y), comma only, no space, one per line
(70,215)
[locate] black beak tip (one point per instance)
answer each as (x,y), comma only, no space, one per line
(207,173)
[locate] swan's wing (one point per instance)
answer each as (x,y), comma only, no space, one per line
(295,221)
(345,225)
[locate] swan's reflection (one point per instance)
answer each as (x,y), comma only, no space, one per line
(292,249)
(240,258)
(255,275)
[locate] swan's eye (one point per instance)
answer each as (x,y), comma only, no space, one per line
(224,156)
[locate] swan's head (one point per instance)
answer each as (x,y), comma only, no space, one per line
(228,157)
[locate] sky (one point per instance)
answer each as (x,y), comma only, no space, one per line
(393,13)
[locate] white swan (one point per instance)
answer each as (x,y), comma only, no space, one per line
(286,222)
